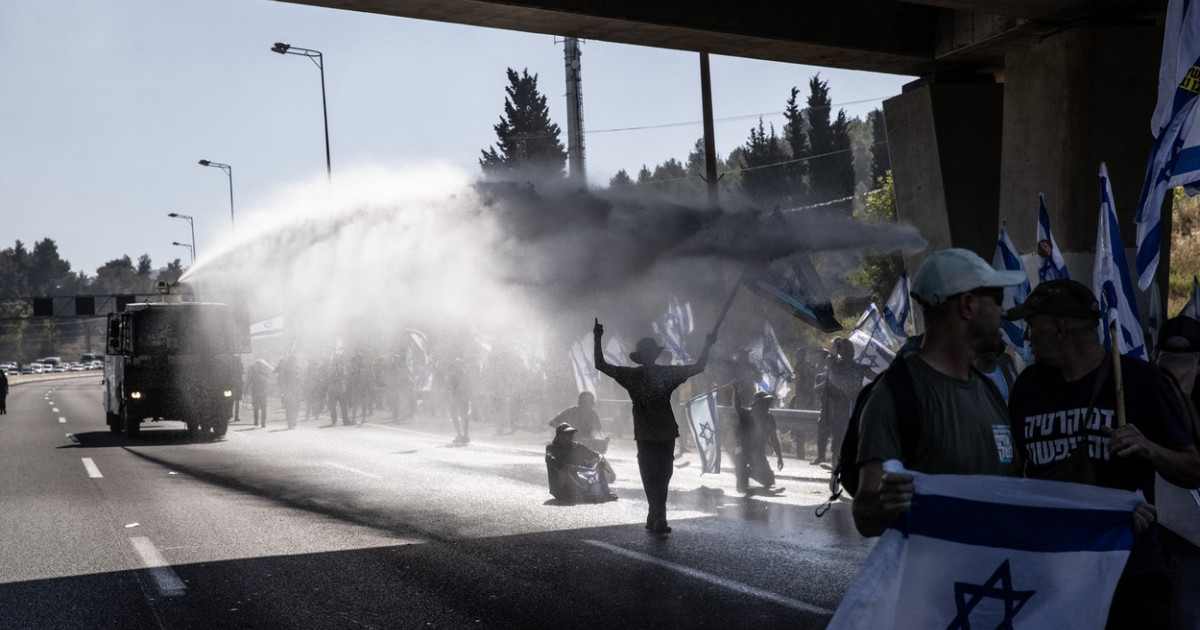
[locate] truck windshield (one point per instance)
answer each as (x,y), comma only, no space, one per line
(186,330)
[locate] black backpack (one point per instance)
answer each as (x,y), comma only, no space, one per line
(908,412)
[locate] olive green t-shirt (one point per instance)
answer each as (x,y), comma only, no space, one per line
(964,427)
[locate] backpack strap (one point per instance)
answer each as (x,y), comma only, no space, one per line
(899,380)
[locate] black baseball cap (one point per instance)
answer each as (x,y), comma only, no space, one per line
(1061,298)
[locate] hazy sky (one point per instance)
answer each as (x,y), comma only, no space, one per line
(108,105)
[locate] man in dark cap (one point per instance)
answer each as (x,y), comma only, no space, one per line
(1064,422)
(654,428)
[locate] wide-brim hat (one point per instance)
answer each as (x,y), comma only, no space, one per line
(647,351)
(564,428)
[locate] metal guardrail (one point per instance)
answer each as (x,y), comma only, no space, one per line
(18,379)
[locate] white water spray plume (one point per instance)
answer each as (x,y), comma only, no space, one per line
(436,248)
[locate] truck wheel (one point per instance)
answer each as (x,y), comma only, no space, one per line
(220,427)
(132,425)
(114,422)
(193,429)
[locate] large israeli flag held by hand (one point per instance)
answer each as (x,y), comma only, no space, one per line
(977,551)
(1175,158)
(702,419)
(1052,266)
(1006,259)
(1110,279)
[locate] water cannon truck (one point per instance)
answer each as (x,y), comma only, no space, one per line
(174,359)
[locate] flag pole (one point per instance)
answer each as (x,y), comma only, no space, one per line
(1116,354)
(728,303)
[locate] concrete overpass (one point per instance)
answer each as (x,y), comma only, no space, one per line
(1015,97)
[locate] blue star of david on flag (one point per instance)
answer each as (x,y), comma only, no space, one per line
(967,596)
(702,420)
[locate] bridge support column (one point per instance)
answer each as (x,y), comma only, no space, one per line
(944,141)
(1071,101)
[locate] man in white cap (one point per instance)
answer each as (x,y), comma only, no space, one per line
(962,426)
(654,428)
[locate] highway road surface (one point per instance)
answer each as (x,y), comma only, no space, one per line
(384,526)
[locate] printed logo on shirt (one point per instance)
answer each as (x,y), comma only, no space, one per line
(1004,443)
(1051,437)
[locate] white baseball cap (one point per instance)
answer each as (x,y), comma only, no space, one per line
(953,271)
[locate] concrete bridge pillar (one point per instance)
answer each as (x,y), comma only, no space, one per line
(966,154)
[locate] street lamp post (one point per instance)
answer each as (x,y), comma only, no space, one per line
(228,171)
(176,215)
(191,249)
(317,58)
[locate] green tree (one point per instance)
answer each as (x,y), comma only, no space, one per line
(47,271)
(763,178)
(831,161)
(117,276)
(173,271)
(795,136)
(527,141)
(879,271)
(620,180)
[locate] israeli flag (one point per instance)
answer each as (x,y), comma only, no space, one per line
(583,365)
(702,419)
(1192,308)
(269,327)
(421,369)
(977,551)
(1053,266)
(1175,158)
(1110,279)
(615,352)
(899,304)
(674,327)
(768,356)
(873,343)
(1006,259)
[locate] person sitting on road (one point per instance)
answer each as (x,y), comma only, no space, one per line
(583,417)
(576,472)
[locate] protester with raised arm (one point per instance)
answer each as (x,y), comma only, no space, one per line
(654,428)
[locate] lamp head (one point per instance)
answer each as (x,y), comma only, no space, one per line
(204,162)
(280,48)
(173,215)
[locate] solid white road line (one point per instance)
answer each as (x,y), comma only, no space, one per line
(165,579)
(353,470)
(737,587)
(92,471)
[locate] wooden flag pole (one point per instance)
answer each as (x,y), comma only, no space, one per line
(1116,358)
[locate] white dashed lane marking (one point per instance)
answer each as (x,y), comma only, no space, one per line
(165,579)
(92,470)
(353,470)
(62,419)
(737,587)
